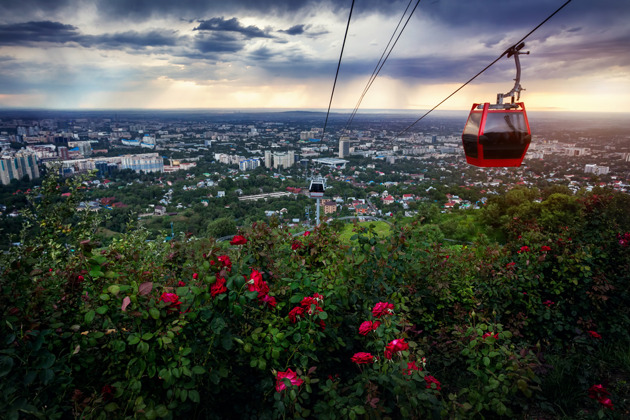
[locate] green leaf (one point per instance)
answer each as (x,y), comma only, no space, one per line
(165,374)
(226,342)
(155,314)
(112,406)
(486,361)
(46,375)
(239,281)
(193,395)
(323,315)
(29,377)
(89,317)
(198,370)
(143,347)
(251,295)
(161,411)
(114,289)
(133,339)
(45,361)
(147,336)
(102,310)
(6,364)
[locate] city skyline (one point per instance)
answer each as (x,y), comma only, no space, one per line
(278,54)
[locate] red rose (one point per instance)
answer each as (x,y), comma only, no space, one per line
(308,232)
(171,298)
(594,334)
(510,264)
(488,334)
(411,366)
(597,391)
(395,346)
(195,276)
(606,402)
(80,278)
(269,300)
(218,287)
(295,313)
(257,284)
(545,248)
(225,260)
(107,392)
(181,284)
(548,303)
(431,380)
(291,376)
(524,249)
(365,327)
(238,240)
(382,308)
(308,301)
(296,245)
(368,326)
(362,358)
(310,310)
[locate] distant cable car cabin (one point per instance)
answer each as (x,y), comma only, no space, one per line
(498,135)
(317,187)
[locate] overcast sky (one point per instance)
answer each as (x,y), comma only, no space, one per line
(283,53)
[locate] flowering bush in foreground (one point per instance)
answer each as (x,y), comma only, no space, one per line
(391,327)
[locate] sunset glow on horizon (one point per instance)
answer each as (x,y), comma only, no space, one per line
(282,55)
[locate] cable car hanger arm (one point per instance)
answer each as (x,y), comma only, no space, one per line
(514,50)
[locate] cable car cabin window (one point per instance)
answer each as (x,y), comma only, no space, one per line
(471,133)
(317,187)
(504,135)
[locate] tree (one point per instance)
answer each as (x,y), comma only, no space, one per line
(223,226)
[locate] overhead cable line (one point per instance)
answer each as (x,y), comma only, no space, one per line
(336,75)
(381,62)
(484,69)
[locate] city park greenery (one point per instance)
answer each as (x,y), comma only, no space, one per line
(529,320)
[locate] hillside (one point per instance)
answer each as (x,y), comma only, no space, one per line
(386,323)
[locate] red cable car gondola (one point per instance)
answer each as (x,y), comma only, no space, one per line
(498,135)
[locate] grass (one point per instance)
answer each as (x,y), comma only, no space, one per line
(382,229)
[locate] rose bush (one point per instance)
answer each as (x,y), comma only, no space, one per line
(394,326)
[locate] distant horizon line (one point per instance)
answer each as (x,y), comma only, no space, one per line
(314,110)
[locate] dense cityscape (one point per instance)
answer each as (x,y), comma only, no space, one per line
(191,164)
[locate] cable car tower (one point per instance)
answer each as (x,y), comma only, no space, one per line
(498,135)
(316,191)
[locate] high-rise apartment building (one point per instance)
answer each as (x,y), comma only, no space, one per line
(147,162)
(344,148)
(17,166)
(284,160)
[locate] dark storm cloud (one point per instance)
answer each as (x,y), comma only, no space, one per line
(34,32)
(218,43)
(294,30)
(189,8)
(30,9)
(231,25)
(132,39)
(262,53)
